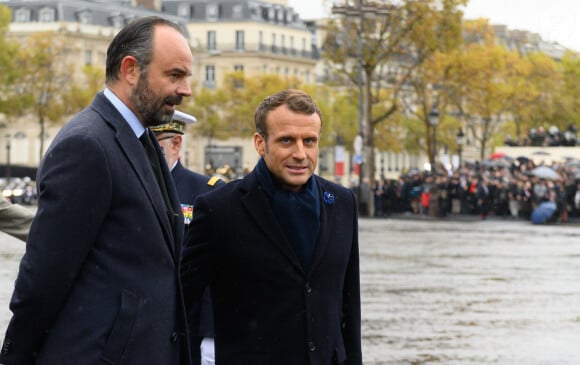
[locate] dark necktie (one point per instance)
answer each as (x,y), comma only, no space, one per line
(154,161)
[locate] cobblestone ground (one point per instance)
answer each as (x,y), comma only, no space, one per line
(444,292)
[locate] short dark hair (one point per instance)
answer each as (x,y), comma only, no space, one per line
(135,39)
(296,100)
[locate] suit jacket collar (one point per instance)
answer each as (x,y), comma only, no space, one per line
(259,208)
(134,153)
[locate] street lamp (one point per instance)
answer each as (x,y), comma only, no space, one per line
(433,117)
(8,172)
(459,140)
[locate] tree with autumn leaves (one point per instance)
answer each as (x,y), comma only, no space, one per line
(389,43)
(229,111)
(422,56)
(493,91)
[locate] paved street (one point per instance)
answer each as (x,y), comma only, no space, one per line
(444,292)
(479,292)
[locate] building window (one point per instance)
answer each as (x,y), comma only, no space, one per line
(240,40)
(292,49)
(283,43)
(84,17)
(22,16)
(210,76)
(211,40)
(261,46)
(239,81)
(237,11)
(20,147)
(212,12)
(46,15)
(254,11)
(117,21)
(88,57)
(184,10)
(274,49)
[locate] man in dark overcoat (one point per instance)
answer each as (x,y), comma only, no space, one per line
(98,283)
(280,250)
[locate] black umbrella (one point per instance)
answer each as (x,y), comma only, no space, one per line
(522,159)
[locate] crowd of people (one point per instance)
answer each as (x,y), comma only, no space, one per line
(508,188)
(547,138)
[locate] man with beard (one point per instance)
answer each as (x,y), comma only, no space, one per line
(99,280)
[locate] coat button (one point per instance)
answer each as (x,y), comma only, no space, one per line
(174,336)
(311,346)
(308,288)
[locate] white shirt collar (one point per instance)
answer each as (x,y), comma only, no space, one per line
(129,116)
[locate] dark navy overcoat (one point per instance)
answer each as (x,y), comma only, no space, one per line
(99,283)
(268,310)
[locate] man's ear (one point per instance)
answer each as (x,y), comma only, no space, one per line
(130,69)
(176,142)
(259,144)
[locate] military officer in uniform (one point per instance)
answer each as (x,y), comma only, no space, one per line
(189,185)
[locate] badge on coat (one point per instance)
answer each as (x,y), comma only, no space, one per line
(187,211)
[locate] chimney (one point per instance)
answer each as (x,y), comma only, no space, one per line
(147,4)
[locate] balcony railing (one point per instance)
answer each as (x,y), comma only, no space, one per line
(263,48)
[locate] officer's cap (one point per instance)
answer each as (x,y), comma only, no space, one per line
(177,124)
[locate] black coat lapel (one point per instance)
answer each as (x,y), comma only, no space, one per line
(258,207)
(135,154)
(327,212)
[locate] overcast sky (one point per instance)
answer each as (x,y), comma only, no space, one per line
(554,20)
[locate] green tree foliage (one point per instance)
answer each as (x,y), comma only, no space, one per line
(47,77)
(229,111)
(82,92)
(13,100)
(569,95)
(339,114)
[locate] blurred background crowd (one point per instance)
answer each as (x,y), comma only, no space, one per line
(501,186)
(19,190)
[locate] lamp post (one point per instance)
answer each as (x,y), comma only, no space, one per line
(8,172)
(433,117)
(459,140)
(361,131)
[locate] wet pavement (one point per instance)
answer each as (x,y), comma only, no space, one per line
(479,292)
(451,292)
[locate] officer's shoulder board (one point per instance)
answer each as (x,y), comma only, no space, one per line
(213,180)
